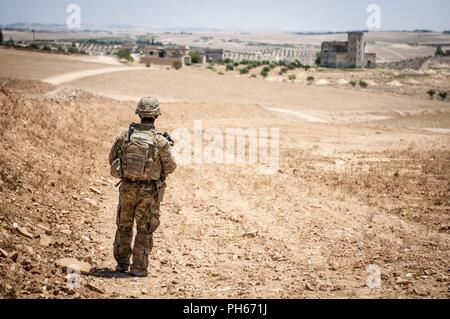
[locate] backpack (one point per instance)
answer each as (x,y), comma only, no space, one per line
(139,156)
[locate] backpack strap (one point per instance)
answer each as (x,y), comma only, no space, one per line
(131,130)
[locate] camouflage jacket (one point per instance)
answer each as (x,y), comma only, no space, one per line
(168,164)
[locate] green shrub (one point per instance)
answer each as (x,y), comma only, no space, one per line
(253,76)
(431,93)
(443,95)
(283,70)
(230,67)
(306,67)
(264,74)
(244,70)
(236,64)
(221,73)
(363,84)
(292,77)
(353,83)
(310,79)
(266,69)
(292,66)
(35,47)
(177,65)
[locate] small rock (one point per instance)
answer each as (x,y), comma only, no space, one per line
(90,201)
(164,261)
(14,256)
(73,263)
(94,288)
(401,281)
(66,232)
(44,228)
(24,232)
(95,190)
(309,287)
(3,253)
(250,234)
(45,240)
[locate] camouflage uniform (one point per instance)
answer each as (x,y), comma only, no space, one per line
(139,201)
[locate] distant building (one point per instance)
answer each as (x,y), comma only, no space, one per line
(129,45)
(165,55)
(347,54)
(213,55)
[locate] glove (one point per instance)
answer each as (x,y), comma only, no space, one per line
(169,138)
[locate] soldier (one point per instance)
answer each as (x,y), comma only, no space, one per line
(141,157)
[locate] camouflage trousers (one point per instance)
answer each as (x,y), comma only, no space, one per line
(136,202)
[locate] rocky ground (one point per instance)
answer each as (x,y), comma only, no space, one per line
(346,196)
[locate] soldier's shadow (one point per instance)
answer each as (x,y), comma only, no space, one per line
(107,273)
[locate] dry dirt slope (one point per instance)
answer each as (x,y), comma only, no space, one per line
(345,197)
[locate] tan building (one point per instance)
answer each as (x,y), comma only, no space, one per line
(347,54)
(165,55)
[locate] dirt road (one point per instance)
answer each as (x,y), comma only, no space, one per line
(61,79)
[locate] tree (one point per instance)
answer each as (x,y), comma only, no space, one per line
(196,57)
(125,54)
(318,58)
(1,35)
(439,51)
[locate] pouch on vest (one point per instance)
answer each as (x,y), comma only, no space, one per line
(140,157)
(116,169)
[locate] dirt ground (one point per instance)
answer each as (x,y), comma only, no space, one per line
(369,185)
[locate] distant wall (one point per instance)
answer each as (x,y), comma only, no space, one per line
(159,61)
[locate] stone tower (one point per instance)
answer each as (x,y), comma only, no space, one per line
(356,48)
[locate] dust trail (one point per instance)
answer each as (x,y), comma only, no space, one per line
(313,118)
(65,78)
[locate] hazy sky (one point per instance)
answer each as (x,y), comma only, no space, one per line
(289,15)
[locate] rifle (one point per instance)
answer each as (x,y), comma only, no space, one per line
(169,138)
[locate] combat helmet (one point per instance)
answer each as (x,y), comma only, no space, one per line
(148,107)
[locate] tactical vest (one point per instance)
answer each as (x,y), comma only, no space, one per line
(139,156)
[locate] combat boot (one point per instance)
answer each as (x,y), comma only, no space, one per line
(122,269)
(138,273)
